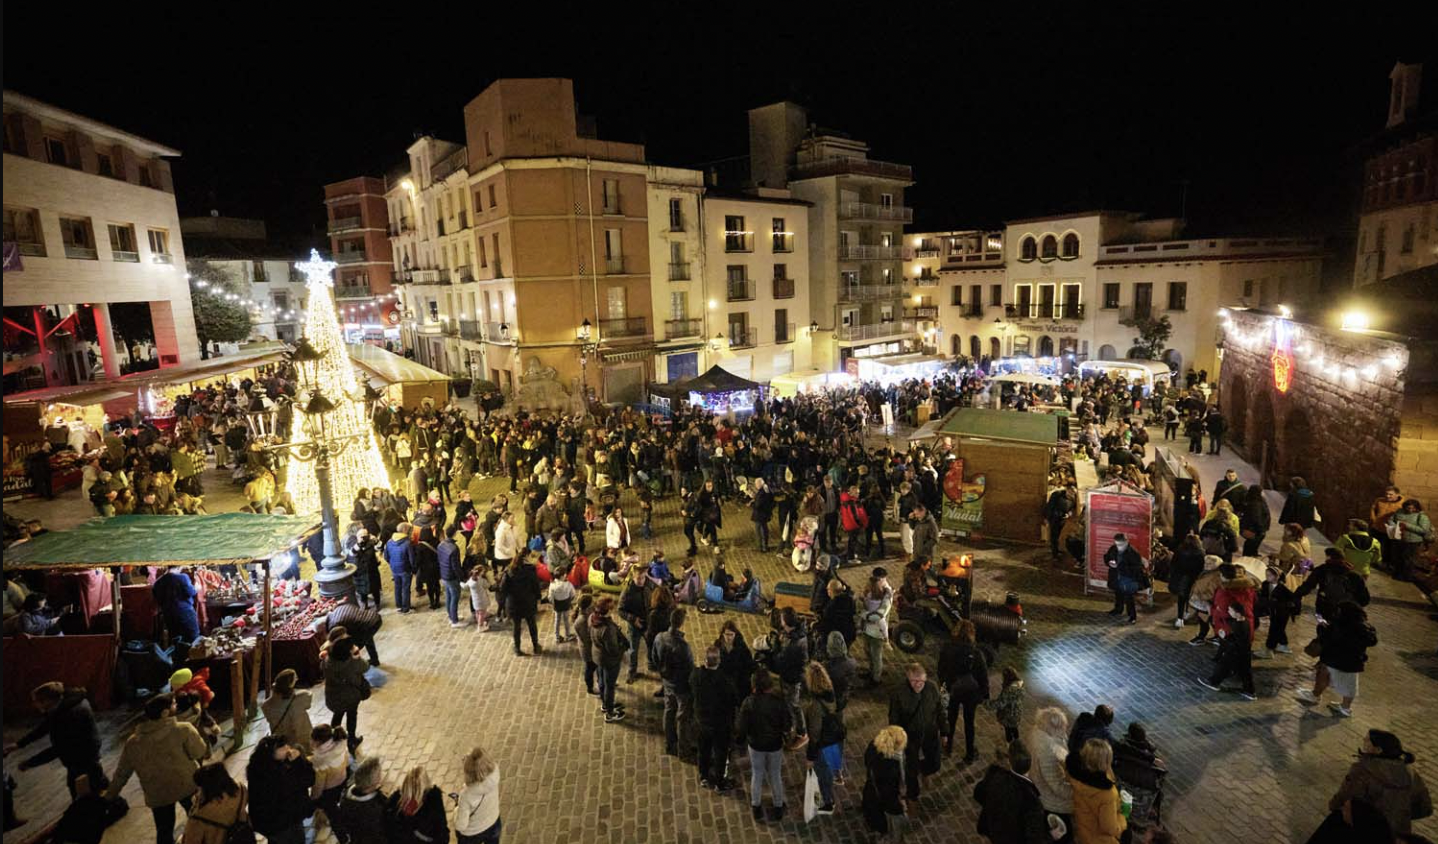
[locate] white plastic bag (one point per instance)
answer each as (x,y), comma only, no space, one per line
(811,796)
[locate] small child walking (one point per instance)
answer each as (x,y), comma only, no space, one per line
(1008,707)
(479,597)
(561,597)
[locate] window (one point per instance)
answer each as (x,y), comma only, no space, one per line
(956,295)
(1247,288)
(1071,245)
(146,179)
(783,332)
(492,201)
(735,273)
(613,244)
(1143,299)
(996,295)
(678,305)
(14,136)
(1110,295)
(886,200)
(1050,247)
(79,240)
(106,163)
(781,270)
(976,297)
(1178,295)
(483,254)
(22,227)
(611,196)
(736,237)
(615,300)
(487,150)
(56,151)
(1028,249)
(676,215)
(781,235)
(122,242)
(494,241)
(159,246)
(886,313)
(886,239)
(1407,245)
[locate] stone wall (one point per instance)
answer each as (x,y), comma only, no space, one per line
(1339,423)
(1416,472)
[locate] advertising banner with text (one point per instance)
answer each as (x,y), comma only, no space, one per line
(1109,511)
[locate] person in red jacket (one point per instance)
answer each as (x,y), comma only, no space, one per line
(1236,586)
(852,519)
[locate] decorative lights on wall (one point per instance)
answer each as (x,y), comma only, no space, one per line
(1286,348)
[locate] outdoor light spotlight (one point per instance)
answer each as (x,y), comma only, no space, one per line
(713,304)
(1287,313)
(1355,321)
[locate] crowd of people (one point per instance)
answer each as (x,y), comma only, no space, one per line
(571,533)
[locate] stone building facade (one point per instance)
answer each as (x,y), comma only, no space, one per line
(1356,415)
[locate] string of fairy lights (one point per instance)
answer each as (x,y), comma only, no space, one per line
(368,311)
(1280,336)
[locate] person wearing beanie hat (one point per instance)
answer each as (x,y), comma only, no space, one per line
(1383,777)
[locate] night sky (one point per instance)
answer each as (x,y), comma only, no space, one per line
(1003,115)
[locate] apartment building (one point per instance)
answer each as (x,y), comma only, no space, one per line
(858,294)
(1398,224)
(757,282)
(357,221)
(678,279)
(94,267)
(1061,286)
(256,268)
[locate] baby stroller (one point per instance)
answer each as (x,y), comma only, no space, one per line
(743,494)
(804,550)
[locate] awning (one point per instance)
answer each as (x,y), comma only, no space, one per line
(383,368)
(83,395)
(220,539)
(630,353)
(908,359)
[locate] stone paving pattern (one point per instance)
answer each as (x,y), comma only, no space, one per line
(1263,769)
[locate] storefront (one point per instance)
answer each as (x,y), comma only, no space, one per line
(998,486)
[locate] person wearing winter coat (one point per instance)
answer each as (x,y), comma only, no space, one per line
(415,814)
(1138,768)
(165,753)
(915,706)
(1183,572)
(789,664)
(1278,601)
(841,667)
(840,612)
(616,530)
(280,778)
(451,572)
(885,810)
(521,596)
(764,723)
(1343,641)
(1200,596)
(288,711)
(736,660)
(853,519)
(874,609)
(1336,582)
(1012,810)
(69,722)
(403,565)
(715,703)
(1414,529)
(1008,706)
(826,725)
(1254,519)
(331,762)
(1236,586)
(926,534)
(1096,816)
(476,816)
(1360,548)
(506,540)
(1126,576)
(1229,488)
(1383,778)
(675,660)
(761,510)
(346,686)
(1048,743)
(360,818)
(218,806)
(1295,547)
(1298,507)
(608,646)
(964,672)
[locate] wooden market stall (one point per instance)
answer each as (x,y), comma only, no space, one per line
(105,546)
(1004,462)
(399,380)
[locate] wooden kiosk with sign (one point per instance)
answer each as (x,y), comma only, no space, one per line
(1002,473)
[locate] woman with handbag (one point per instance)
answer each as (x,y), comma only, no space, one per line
(346,686)
(1342,649)
(964,672)
(288,710)
(219,815)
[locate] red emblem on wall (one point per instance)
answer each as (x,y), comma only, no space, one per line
(1282,357)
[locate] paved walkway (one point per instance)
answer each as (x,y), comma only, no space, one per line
(1266,768)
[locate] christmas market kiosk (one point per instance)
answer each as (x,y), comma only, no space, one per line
(720,392)
(399,380)
(997,487)
(110,647)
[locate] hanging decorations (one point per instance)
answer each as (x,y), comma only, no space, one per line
(1286,348)
(360,465)
(1282,356)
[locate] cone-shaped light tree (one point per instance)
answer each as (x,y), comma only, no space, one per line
(358,463)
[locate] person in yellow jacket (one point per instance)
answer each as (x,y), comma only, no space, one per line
(1359,548)
(1099,816)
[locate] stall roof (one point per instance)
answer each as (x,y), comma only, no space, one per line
(1156,368)
(220,539)
(908,359)
(718,380)
(1007,425)
(389,368)
(1026,378)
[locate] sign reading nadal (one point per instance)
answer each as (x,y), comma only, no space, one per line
(1282,357)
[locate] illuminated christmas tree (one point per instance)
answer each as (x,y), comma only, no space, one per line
(347,428)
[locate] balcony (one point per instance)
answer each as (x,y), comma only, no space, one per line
(955,257)
(743,338)
(449,328)
(83,253)
(498,332)
(1136,312)
(872,252)
(32,250)
(353,256)
(876,330)
(1072,310)
(622,327)
(463,276)
(929,312)
(972,312)
(741,289)
(457,160)
(785,333)
(926,280)
(783,288)
(353,291)
(869,292)
(874,211)
(677,329)
(613,265)
(471,329)
(125,256)
(162,258)
(852,167)
(926,250)
(428,276)
(345,224)
(679,272)
(1023,310)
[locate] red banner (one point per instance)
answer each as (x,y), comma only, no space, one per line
(1109,513)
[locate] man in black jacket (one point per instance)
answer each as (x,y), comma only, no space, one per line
(676,664)
(1012,811)
(360,624)
(1125,576)
(74,737)
(789,664)
(715,702)
(764,721)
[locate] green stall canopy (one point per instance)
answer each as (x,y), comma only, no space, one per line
(220,539)
(1005,425)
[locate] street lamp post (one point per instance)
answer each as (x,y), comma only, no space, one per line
(587,346)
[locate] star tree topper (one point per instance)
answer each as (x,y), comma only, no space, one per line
(317,270)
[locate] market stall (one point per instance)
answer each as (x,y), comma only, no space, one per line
(202,542)
(792,384)
(998,485)
(399,380)
(1149,373)
(891,369)
(720,391)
